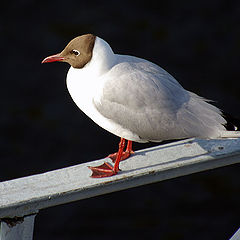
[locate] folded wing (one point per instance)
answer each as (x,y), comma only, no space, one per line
(144,98)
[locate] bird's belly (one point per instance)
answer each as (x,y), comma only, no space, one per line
(83,95)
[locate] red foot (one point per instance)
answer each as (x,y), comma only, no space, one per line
(107,170)
(124,156)
(104,170)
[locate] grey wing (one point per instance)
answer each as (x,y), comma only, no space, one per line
(151,103)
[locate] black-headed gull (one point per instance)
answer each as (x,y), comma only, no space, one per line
(133,98)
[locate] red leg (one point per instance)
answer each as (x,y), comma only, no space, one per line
(129,148)
(106,170)
(119,156)
(125,154)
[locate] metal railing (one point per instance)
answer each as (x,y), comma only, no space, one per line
(21,199)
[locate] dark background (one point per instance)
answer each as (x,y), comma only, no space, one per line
(41,129)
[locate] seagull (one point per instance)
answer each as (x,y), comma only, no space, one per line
(133,99)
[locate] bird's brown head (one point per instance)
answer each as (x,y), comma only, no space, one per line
(77,53)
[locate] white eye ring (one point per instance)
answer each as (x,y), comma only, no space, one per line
(75,52)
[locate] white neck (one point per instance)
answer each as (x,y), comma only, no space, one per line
(83,83)
(103,58)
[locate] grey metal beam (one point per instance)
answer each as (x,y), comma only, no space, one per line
(27,195)
(17,229)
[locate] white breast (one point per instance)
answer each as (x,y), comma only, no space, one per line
(84,87)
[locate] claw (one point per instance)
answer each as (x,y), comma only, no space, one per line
(104,170)
(124,156)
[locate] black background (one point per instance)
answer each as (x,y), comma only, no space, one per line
(41,129)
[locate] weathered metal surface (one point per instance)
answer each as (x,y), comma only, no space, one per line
(26,195)
(17,229)
(236,235)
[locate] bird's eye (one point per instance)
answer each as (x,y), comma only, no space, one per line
(75,52)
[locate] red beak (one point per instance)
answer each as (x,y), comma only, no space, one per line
(53,58)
